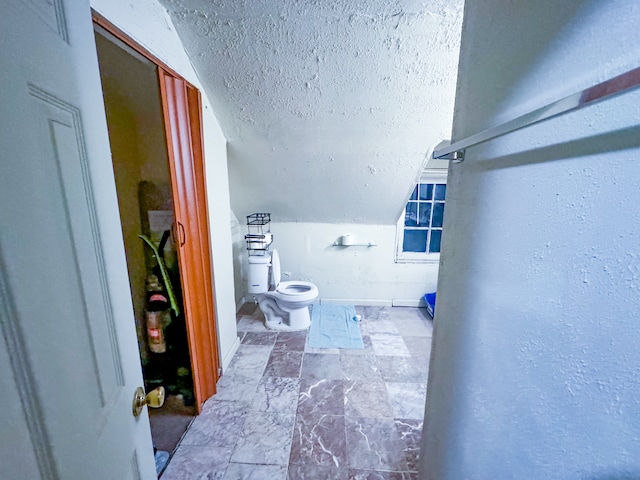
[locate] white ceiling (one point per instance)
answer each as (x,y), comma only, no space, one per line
(330,108)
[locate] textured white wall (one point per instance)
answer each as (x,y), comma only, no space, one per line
(329,108)
(534,370)
(146,22)
(354,275)
(238,231)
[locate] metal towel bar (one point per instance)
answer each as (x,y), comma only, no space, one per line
(604,90)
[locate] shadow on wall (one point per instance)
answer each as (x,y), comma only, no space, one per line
(513,69)
(239,253)
(623,139)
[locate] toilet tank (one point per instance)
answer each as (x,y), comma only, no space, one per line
(258,276)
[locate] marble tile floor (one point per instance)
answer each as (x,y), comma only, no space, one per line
(285,411)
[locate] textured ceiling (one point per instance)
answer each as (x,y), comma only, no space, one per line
(329,107)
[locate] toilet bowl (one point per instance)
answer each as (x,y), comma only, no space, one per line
(285,305)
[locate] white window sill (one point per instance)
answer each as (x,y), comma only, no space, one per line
(425,258)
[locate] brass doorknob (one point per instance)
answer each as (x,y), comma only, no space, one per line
(155,399)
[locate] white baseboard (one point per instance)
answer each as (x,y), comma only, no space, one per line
(408,303)
(356,301)
(369,302)
(229,356)
(239,303)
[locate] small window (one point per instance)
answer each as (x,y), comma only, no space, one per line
(420,227)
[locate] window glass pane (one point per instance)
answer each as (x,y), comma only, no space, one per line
(425,214)
(423,219)
(434,243)
(426,191)
(438,213)
(414,241)
(411,215)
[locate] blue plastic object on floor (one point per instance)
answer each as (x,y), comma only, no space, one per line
(430,300)
(334,326)
(161,458)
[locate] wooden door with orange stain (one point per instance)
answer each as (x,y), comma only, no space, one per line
(183,124)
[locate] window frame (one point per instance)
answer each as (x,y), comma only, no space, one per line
(427,176)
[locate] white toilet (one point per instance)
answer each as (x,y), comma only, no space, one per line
(286,307)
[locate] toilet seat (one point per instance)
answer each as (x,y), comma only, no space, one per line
(295,287)
(296,291)
(293,291)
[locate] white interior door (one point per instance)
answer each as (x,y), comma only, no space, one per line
(69,362)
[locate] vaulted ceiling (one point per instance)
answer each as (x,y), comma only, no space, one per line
(330,108)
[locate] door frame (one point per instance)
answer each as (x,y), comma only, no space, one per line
(182,112)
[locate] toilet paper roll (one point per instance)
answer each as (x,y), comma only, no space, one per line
(348,240)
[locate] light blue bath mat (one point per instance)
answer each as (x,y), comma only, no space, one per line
(334,326)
